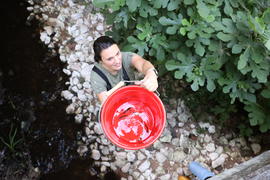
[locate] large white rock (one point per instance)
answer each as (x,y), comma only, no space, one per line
(96,154)
(210,147)
(144,166)
(160,157)
(67,94)
(125,168)
(219,161)
(131,156)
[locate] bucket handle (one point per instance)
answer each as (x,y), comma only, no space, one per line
(134,82)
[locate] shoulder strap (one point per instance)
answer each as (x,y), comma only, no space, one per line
(103,76)
(125,75)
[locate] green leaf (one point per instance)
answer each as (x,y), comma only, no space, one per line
(257,54)
(243,59)
(202,9)
(146,31)
(192,35)
(172,65)
(183,31)
(256,24)
(199,49)
(167,21)
(224,37)
(172,30)
(173,5)
(260,71)
(210,18)
(133,4)
(267,44)
(210,85)
(146,10)
(179,74)
(266,16)
(141,46)
(101,3)
(266,93)
(160,3)
(195,86)
(185,22)
(264,127)
(228,9)
(188,2)
(217,25)
(236,49)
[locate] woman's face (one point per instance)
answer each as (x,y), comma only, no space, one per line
(111,59)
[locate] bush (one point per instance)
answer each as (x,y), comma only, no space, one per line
(208,43)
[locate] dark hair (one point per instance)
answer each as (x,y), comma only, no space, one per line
(101,43)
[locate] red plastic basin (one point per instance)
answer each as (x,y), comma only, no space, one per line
(133,117)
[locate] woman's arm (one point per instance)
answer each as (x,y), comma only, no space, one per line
(147,68)
(103,95)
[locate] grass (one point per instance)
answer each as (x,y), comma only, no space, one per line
(11,142)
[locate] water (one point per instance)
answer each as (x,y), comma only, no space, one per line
(131,122)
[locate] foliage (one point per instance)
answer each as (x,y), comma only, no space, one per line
(209,43)
(12,141)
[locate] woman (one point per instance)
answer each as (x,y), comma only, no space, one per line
(112,67)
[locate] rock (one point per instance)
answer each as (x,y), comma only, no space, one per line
(121,155)
(256,148)
(160,157)
(207,138)
(165,177)
(125,168)
(141,156)
(210,147)
(71,108)
(136,174)
(45,38)
(67,95)
(175,142)
(131,156)
(158,145)
(181,124)
(82,149)
(78,118)
(120,162)
(183,141)
(105,151)
(223,140)
(103,168)
(105,163)
(98,129)
(166,138)
(211,129)
(160,170)
(144,166)
(219,161)
(179,156)
(87,131)
(219,149)
(96,154)
(213,156)
(195,152)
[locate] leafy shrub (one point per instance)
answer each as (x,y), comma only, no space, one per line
(209,43)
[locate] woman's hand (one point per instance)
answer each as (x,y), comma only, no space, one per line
(104,95)
(149,81)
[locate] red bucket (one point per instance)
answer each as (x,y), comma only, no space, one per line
(133,117)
